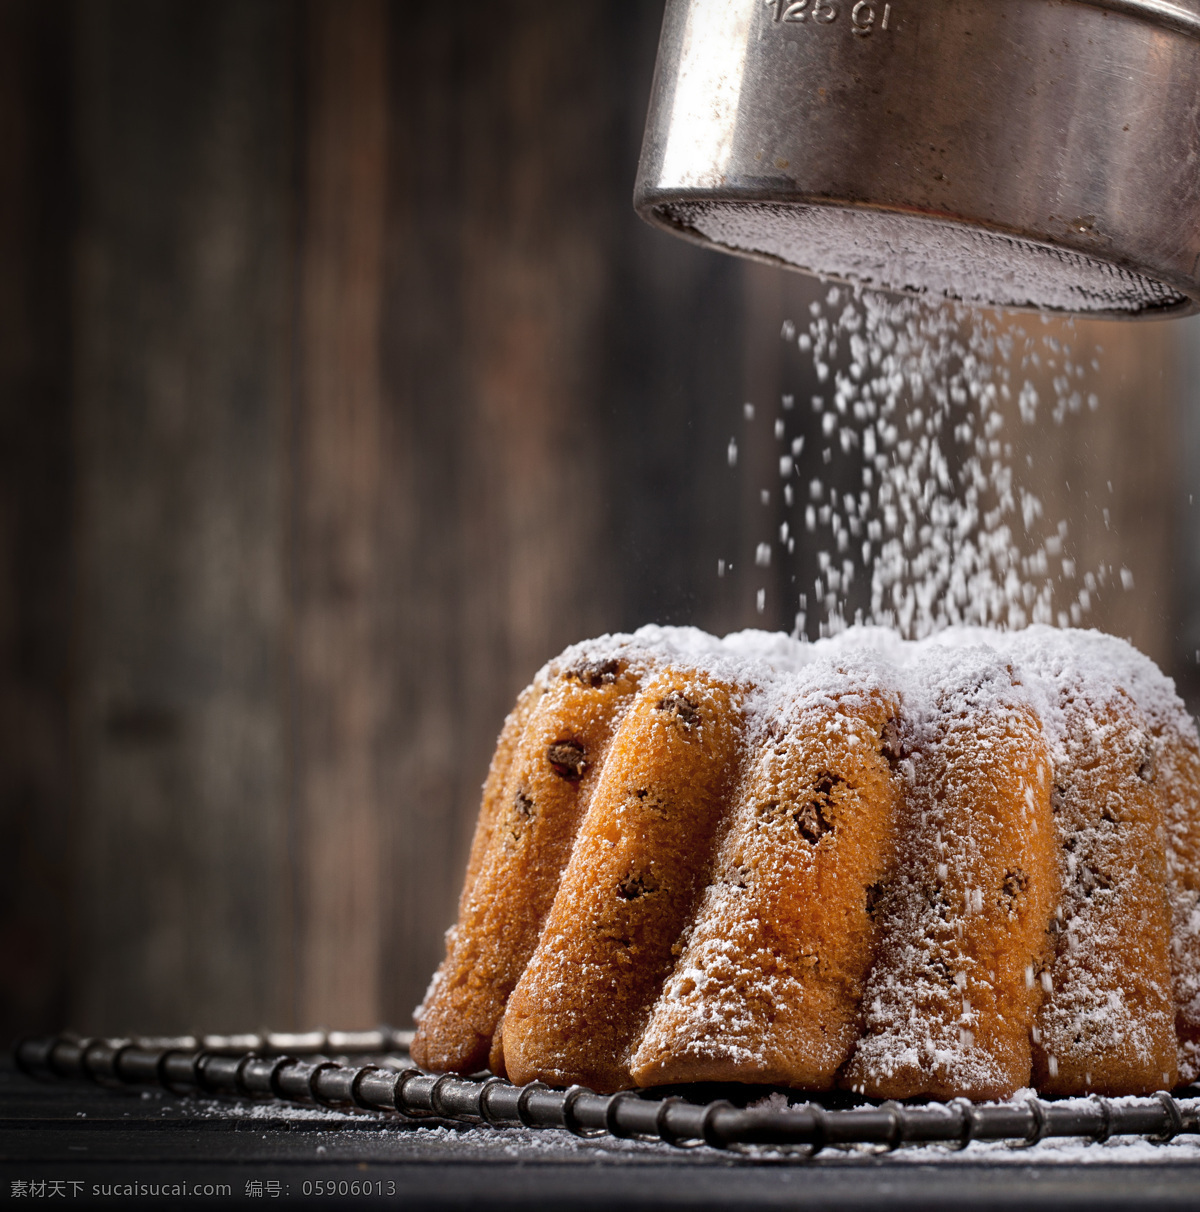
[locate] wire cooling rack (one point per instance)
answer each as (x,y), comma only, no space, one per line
(319,1068)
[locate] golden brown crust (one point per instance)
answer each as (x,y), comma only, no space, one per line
(768,986)
(1106,1024)
(493,788)
(1178,785)
(555,767)
(631,885)
(949,1004)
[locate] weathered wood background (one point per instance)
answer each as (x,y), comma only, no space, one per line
(339,388)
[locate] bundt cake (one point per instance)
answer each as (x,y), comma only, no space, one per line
(950,867)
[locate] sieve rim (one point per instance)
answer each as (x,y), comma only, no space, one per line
(656,206)
(1157,12)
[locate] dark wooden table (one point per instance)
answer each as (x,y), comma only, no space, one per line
(88,1145)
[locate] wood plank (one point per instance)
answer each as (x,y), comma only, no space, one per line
(673,377)
(338,670)
(35,512)
(1131,468)
(182,338)
(1111,475)
(1186,587)
(492,507)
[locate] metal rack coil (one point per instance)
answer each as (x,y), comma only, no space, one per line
(301,1068)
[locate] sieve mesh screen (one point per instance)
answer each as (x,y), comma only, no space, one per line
(920,255)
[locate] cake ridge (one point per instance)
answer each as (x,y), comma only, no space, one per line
(961,805)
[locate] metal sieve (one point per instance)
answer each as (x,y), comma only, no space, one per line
(1016,153)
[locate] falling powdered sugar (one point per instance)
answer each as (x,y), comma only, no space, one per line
(909,499)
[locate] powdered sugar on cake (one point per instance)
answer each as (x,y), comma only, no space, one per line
(1059,700)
